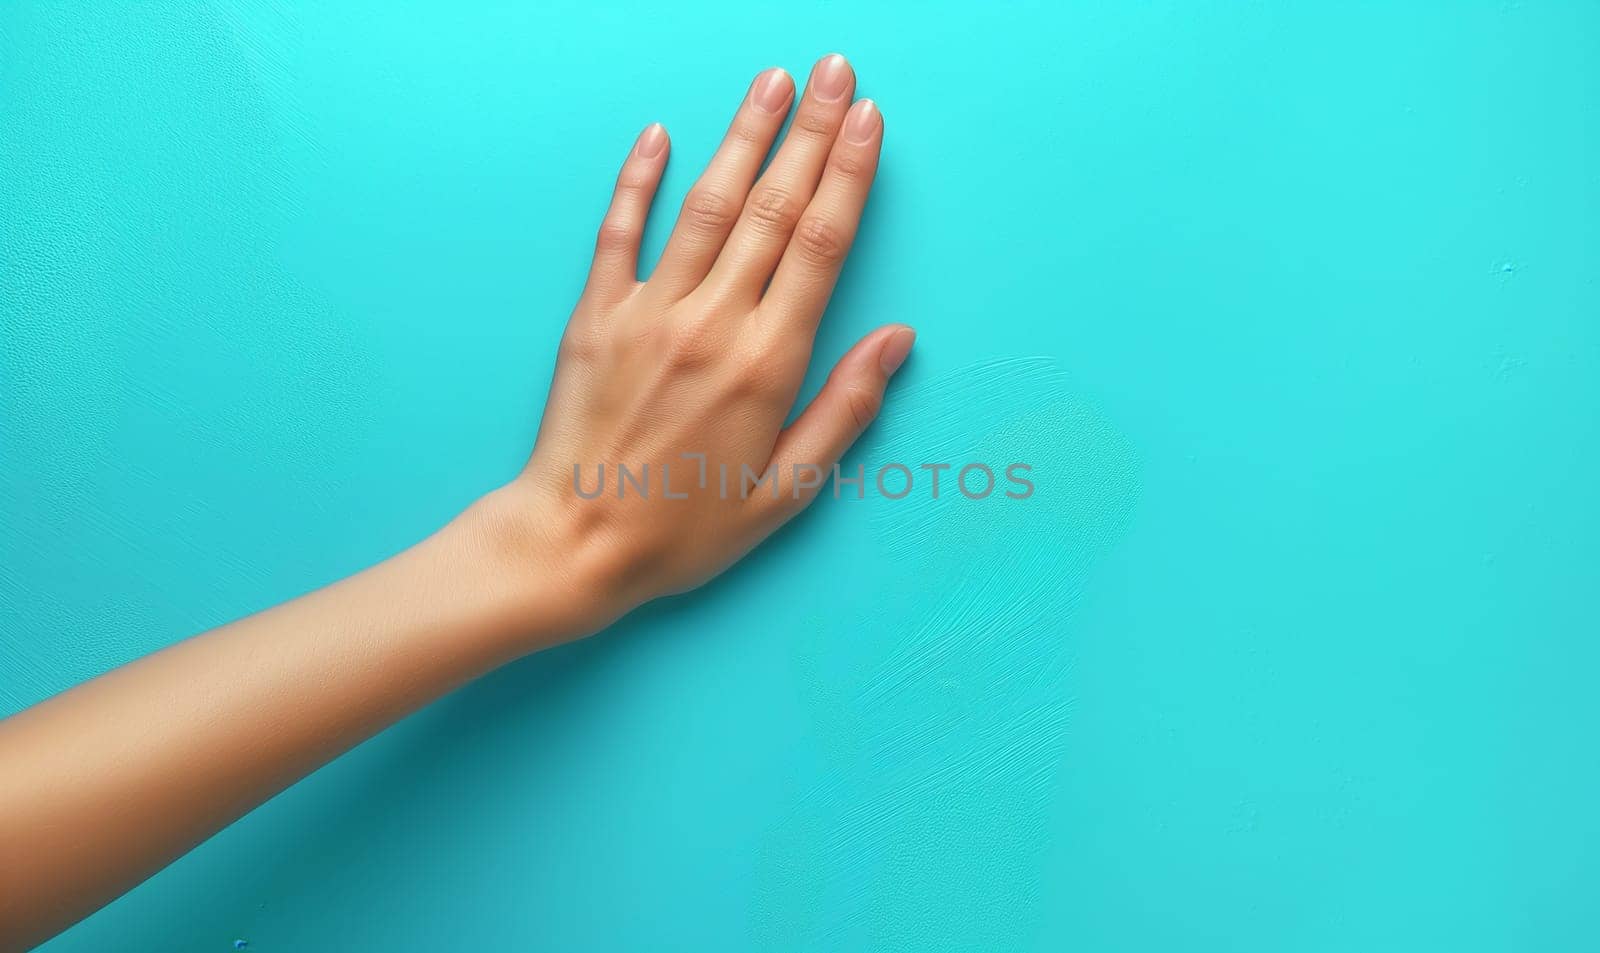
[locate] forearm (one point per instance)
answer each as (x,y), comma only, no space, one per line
(106,783)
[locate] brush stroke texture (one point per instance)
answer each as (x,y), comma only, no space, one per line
(930,826)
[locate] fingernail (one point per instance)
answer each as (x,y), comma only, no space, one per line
(861,122)
(831,79)
(651,141)
(770,92)
(896,349)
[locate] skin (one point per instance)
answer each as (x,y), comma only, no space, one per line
(105,784)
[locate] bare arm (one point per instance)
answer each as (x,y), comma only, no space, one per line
(110,781)
(104,784)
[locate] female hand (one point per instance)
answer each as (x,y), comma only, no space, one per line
(106,783)
(684,381)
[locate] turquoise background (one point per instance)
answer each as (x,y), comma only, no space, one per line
(1293,307)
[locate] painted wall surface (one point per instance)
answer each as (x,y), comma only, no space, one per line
(1292,306)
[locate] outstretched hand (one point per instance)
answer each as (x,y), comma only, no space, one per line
(663,456)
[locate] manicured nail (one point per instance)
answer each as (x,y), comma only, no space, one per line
(770,92)
(831,79)
(896,349)
(861,122)
(651,141)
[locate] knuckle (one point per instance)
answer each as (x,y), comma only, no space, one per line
(693,345)
(746,133)
(746,384)
(774,209)
(632,184)
(863,406)
(764,369)
(615,236)
(759,377)
(813,123)
(821,242)
(849,164)
(706,210)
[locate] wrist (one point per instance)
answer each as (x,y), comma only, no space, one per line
(553,579)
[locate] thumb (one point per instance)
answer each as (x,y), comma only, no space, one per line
(845,406)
